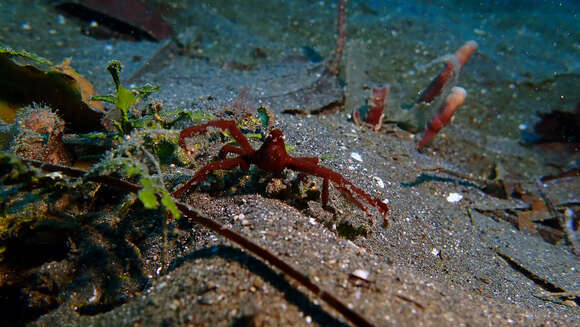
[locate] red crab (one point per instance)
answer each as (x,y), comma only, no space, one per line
(272,157)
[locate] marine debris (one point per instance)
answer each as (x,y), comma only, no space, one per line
(87,89)
(25,84)
(130,17)
(341,40)
(557,127)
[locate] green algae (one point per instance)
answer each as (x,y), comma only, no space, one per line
(124,99)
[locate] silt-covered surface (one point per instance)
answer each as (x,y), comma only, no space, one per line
(438,263)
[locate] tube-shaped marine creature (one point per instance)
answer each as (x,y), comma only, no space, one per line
(443,115)
(451,70)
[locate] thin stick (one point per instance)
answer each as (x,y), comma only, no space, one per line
(196,216)
(341,41)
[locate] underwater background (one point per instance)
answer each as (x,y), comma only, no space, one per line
(490,257)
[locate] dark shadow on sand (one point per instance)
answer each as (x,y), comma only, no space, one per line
(269,275)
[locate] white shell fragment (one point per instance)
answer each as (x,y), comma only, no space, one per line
(454,197)
(361,274)
(356,156)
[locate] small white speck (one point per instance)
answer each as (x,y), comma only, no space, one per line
(454,197)
(522,127)
(308,320)
(54,175)
(95,296)
(379,181)
(312,221)
(93,24)
(161,285)
(356,156)
(435,252)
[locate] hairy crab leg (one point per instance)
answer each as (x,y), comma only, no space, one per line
(201,174)
(314,160)
(343,185)
(325,194)
(228,148)
(229,125)
(233,149)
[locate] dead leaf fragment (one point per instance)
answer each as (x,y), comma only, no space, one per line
(87,89)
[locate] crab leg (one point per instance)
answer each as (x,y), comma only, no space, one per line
(228,148)
(313,160)
(325,192)
(229,125)
(234,149)
(344,186)
(201,174)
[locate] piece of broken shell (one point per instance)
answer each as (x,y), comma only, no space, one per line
(360,275)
